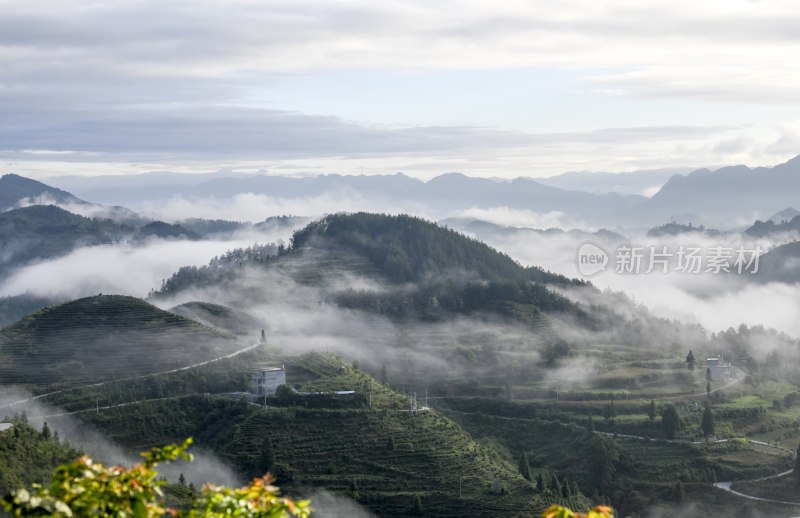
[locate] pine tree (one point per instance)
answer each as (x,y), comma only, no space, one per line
(707,422)
(690,361)
(677,493)
(524,467)
(181,480)
(418,509)
(565,489)
(556,485)
(651,410)
(46,432)
(384,376)
(267,455)
(541,485)
(670,421)
(797,466)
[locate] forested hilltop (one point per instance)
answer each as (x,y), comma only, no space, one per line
(430,270)
(410,249)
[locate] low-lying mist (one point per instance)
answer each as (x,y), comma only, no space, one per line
(205,468)
(718,301)
(126,268)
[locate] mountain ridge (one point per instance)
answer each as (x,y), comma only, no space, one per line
(15,188)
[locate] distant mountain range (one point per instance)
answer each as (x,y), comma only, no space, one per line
(728,197)
(447,192)
(644,182)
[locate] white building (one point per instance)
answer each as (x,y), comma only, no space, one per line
(266,380)
(719,368)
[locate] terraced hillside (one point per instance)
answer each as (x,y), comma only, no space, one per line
(218,317)
(380,453)
(97,338)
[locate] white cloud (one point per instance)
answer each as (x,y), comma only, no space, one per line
(119,268)
(133,82)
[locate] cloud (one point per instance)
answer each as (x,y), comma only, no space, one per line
(328,505)
(138,82)
(511,217)
(715,301)
(206,467)
(122,268)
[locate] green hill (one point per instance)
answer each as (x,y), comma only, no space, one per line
(429,272)
(101,337)
(410,249)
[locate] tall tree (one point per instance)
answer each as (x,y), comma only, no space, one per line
(556,485)
(46,431)
(525,467)
(707,422)
(417,508)
(651,410)
(797,466)
(541,485)
(690,361)
(267,457)
(677,493)
(670,421)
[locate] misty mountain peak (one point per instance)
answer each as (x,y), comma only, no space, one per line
(15,188)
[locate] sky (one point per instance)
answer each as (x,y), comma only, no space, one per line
(502,89)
